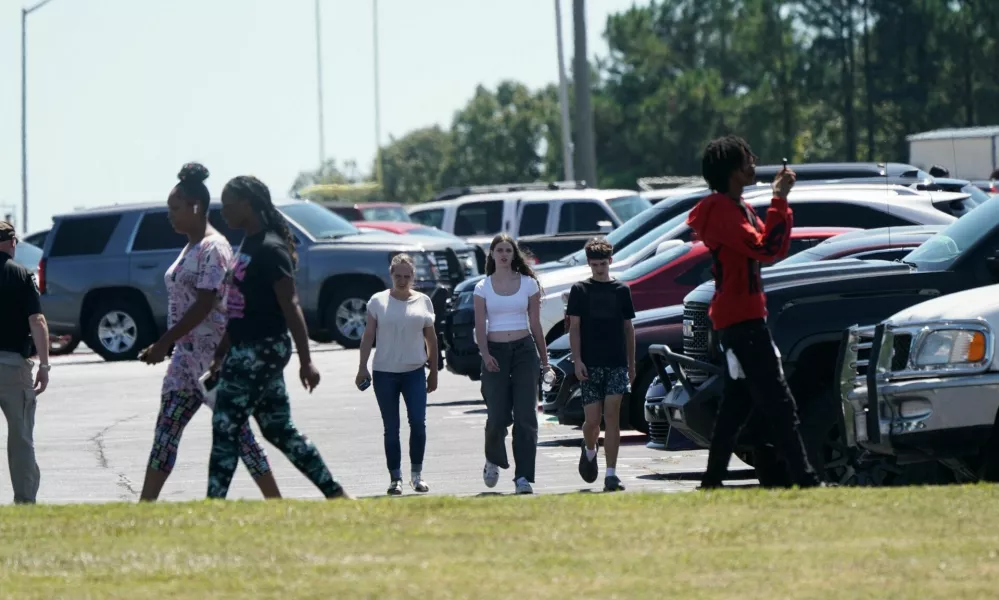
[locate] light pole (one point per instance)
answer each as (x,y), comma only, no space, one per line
(586,154)
(24,111)
(319,87)
(378,104)
(563,98)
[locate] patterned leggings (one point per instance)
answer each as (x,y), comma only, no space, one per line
(176,410)
(252,383)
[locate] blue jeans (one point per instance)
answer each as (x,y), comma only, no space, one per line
(412,386)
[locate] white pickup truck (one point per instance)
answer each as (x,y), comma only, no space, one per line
(920,390)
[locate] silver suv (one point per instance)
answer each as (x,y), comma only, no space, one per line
(101,275)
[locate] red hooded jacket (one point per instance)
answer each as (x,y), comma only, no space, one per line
(739,242)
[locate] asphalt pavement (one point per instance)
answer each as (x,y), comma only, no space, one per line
(94,428)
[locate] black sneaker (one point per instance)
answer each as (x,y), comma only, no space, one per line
(588,468)
(395,489)
(613,484)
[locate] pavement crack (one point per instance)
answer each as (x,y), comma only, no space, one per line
(124,482)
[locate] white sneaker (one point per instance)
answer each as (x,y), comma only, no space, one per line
(523,486)
(490,474)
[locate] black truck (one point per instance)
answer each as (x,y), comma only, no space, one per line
(810,306)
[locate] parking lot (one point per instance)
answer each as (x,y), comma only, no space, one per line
(94,429)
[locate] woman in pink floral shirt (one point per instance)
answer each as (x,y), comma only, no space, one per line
(196,320)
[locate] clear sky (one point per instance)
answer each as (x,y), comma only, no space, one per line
(122,92)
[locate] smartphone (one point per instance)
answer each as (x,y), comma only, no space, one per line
(208,384)
(785,163)
(364,384)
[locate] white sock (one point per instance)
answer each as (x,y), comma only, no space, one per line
(416,476)
(590,453)
(611,471)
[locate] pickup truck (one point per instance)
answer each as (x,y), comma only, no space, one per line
(810,305)
(101,275)
(547,248)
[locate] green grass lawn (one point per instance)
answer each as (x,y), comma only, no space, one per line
(828,543)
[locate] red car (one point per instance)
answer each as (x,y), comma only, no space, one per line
(677,269)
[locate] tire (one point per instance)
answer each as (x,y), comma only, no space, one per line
(61,345)
(119,329)
(345,315)
(636,406)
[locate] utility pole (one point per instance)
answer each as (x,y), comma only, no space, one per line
(378,103)
(24,120)
(563,99)
(586,153)
(319,86)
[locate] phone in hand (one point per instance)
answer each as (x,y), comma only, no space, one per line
(785,163)
(208,384)
(365,384)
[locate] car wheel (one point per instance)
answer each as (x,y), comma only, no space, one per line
(346,315)
(119,329)
(61,345)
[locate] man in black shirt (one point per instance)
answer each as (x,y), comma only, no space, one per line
(602,340)
(21,322)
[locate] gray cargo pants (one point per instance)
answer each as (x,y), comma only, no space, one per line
(511,396)
(17,401)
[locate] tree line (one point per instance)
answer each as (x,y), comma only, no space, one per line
(812,80)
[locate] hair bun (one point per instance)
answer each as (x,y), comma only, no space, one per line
(193,173)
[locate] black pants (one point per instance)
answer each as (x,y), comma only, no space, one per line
(764,388)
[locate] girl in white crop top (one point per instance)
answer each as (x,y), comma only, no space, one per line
(512,345)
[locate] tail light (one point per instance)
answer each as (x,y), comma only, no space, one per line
(41,276)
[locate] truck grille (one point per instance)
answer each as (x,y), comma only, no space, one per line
(900,355)
(659,432)
(448,266)
(860,354)
(698,346)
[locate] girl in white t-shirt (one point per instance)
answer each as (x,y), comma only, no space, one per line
(401,321)
(512,345)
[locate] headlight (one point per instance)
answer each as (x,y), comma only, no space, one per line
(951,347)
(425,268)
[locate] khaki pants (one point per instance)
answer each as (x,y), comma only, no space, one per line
(17,401)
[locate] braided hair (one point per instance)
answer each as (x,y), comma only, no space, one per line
(723,157)
(256,193)
(192,178)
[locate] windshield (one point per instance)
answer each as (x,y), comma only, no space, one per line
(647,266)
(977,196)
(27,255)
(386,213)
(649,238)
(627,207)
(942,250)
(317,221)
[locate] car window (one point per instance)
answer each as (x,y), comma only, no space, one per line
(885,254)
(626,207)
(944,248)
(348,212)
(386,213)
(431,217)
(83,236)
(38,238)
(533,219)
(647,266)
(27,254)
(842,214)
(576,217)
(318,222)
(156,233)
(479,218)
(977,196)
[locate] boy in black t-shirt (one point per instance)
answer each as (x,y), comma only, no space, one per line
(602,340)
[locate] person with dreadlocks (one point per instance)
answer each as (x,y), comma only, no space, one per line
(196,317)
(739,241)
(263,304)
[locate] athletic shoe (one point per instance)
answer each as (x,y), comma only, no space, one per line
(419,485)
(523,486)
(588,468)
(490,474)
(395,488)
(613,484)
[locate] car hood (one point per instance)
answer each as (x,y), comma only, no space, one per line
(656,316)
(779,277)
(396,241)
(977,303)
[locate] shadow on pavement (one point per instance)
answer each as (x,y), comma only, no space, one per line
(573,442)
(741,475)
(456,403)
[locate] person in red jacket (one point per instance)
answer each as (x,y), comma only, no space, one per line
(739,241)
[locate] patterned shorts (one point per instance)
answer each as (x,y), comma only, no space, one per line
(603,382)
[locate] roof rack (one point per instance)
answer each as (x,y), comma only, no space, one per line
(648,184)
(457,192)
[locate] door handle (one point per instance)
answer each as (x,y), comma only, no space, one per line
(146,266)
